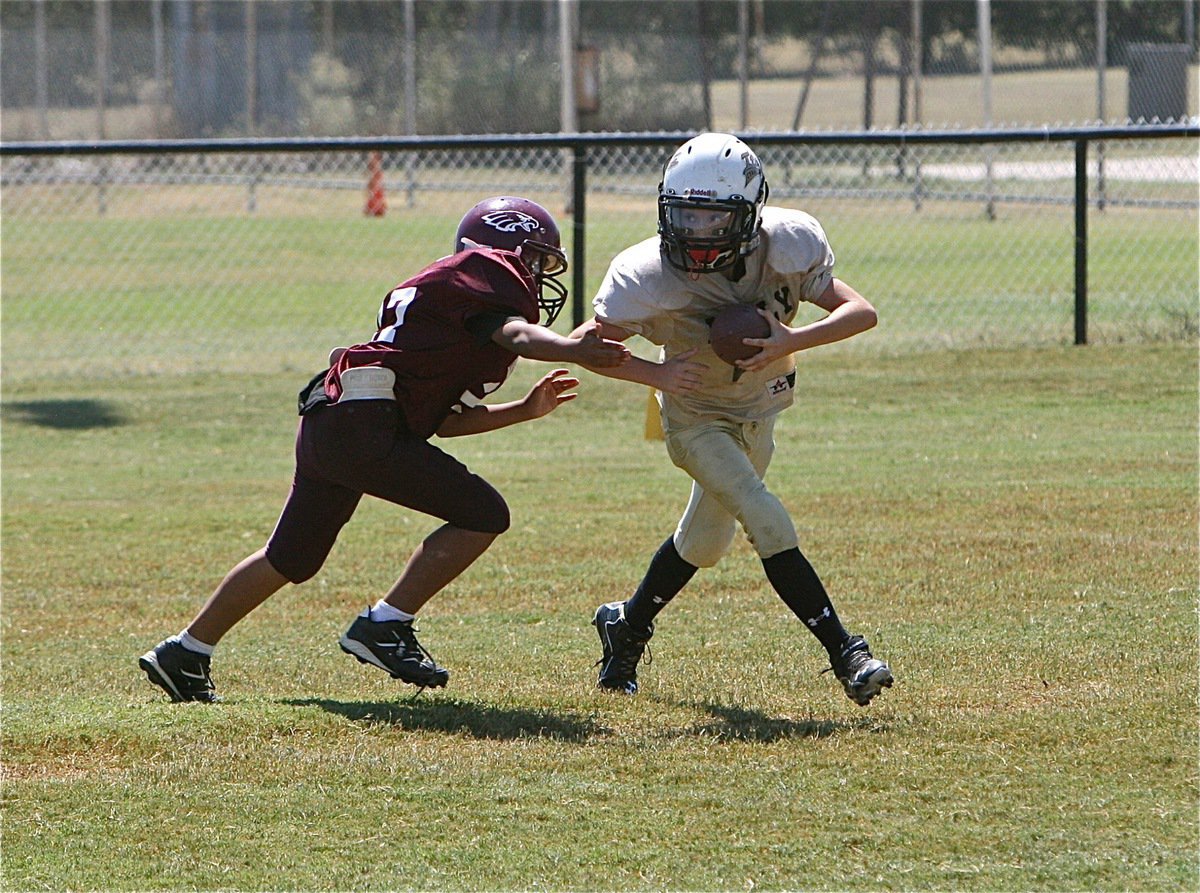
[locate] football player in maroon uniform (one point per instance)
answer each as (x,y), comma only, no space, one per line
(445,339)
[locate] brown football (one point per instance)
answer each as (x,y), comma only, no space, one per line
(730,326)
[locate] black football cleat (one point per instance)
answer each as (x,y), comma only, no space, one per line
(392,646)
(623,647)
(181,673)
(862,675)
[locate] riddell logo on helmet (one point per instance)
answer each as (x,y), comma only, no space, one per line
(510,221)
(703,193)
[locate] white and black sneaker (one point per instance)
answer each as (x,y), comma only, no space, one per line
(862,675)
(392,646)
(180,672)
(622,647)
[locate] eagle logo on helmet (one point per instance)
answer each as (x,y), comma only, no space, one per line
(509,221)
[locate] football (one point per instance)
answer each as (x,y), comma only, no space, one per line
(730,326)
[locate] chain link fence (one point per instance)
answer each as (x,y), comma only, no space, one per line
(178,261)
(163,69)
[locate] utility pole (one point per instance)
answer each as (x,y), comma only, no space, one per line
(410,95)
(743,63)
(103,34)
(918,61)
(251,63)
(40,66)
(1101,71)
(568,118)
(983,14)
(160,65)
(568,122)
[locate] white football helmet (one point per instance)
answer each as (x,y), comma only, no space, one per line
(710,203)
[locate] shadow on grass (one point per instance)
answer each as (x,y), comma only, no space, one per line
(462,717)
(740,724)
(69,415)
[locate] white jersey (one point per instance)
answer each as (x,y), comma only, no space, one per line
(642,293)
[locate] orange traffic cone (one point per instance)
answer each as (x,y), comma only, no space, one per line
(376,201)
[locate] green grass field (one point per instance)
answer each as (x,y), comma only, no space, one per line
(1014,530)
(1019,99)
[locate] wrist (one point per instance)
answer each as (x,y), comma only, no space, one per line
(798,340)
(526,410)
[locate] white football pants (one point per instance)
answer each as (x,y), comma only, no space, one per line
(727,461)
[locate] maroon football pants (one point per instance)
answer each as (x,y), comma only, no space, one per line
(363,447)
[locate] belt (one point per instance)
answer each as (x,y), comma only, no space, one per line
(367,383)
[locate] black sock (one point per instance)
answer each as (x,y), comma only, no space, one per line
(666,575)
(801,590)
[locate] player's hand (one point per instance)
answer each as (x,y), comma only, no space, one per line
(773,347)
(554,388)
(680,373)
(592,350)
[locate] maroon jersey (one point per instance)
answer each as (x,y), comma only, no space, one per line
(424,336)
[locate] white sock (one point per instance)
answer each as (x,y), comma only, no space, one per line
(381,611)
(191,643)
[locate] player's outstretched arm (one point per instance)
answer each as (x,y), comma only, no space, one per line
(536,342)
(551,391)
(849,314)
(673,376)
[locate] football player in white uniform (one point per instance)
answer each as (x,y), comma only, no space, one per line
(719,244)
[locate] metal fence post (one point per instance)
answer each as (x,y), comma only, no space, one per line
(578,223)
(1081,209)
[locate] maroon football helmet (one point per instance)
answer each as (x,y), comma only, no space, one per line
(527,229)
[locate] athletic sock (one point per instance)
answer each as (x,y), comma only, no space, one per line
(191,643)
(381,612)
(666,575)
(801,590)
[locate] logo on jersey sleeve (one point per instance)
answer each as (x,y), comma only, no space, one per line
(476,395)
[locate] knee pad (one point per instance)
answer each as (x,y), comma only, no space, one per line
(297,567)
(768,524)
(704,548)
(492,516)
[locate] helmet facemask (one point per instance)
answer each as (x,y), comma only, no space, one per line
(710,204)
(706,236)
(546,263)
